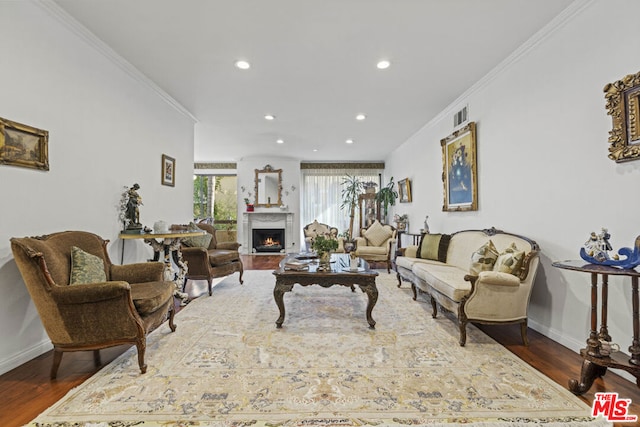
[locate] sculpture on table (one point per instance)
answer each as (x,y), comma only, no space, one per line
(132,209)
(596,251)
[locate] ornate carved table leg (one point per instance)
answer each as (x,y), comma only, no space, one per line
(634,349)
(590,371)
(173,246)
(278,294)
(372,294)
(593,343)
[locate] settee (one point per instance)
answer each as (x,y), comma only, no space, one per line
(483,276)
(315,229)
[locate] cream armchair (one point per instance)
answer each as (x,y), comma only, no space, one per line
(377,243)
(311,231)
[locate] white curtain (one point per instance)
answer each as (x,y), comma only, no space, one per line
(322,195)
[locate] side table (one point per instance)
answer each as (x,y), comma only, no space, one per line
(169,245)
(594,363)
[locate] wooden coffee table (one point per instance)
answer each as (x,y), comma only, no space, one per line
(340,274)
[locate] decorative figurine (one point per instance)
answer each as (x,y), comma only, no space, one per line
(596,251)
(132,213)
(426,226)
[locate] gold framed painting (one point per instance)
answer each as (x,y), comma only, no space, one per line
(404,191)
(168,171)
(459,170)
(23,145)
(623,105)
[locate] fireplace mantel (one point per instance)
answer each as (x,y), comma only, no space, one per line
(266,219)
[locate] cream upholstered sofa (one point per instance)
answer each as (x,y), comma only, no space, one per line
(483,276)
(376,243)
(311,231)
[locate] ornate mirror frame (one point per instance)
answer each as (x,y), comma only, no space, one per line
(272,196)
(623,105)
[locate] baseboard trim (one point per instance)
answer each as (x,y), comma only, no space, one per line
(24,356)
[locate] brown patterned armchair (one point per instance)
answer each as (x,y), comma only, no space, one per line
(132,301)
(218,259)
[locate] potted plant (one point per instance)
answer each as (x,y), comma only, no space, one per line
(351,189)
(401,221)
(249,204)
(387,197)
(324,245)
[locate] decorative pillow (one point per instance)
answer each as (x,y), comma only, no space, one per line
(510,261)
(86,268)
(198,241)
(377,234)
(434,246)
(483,259)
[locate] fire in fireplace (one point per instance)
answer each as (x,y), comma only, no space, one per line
(268,240)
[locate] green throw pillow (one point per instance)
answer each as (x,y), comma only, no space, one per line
(510,261)
(434,247)
(86,268)
(198,241)
(483,259)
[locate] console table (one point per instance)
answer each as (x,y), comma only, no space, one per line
(595,364)
(169,245)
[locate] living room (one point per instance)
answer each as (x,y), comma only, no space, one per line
(540,114)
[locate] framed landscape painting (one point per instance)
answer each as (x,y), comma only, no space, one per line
(23,145)
(168,171)
(459,174)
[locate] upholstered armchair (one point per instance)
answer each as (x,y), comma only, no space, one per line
(87,303)
(208,259)
(377,243)
(311,231)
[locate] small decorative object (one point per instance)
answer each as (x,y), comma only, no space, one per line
(249,204)
(23,145)
(160,227)
(623,105)
(402,221)
(459,173)
(348,243)
(404,190)
(353,261)
(168,171)
(596,251)
(130,201)
(426,226)
(323,245)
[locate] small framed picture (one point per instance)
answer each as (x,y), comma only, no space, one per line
(23,145)
(404,190)
(168,171)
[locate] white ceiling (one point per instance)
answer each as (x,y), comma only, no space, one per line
(313,65)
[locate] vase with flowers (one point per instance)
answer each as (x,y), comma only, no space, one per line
(402,221)
(323,245)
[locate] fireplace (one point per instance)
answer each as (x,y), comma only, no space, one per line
(268,240)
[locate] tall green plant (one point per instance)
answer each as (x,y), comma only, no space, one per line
(387,197)
(352,187)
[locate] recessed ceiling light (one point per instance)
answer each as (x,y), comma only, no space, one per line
(280,141)
(243,65)
(361,117)
(383,64)
(315,150)
(269,117)
(349,141)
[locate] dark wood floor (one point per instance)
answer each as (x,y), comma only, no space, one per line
(27,391)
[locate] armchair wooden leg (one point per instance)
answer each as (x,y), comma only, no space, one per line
(96,358)
(142,345)
(209,285)
(241,272)
(463,333)
(172,313)
(57,357)
(523,332)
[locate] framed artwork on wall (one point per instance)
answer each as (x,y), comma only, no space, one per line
(23,145)
(623,105)
(459,170)
(168,171)
(404,191)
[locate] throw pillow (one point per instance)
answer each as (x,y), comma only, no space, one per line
(434,247)
(377,234)
(198,241)
(86,268)
(484,258)
(510,261)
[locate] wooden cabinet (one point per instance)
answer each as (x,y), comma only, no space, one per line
(369,209)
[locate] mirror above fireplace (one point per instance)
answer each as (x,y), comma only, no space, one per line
(268,187)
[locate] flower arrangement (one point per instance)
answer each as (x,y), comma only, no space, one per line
(401,218)
(324,243)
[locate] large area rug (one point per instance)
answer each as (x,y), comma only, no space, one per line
(228,365)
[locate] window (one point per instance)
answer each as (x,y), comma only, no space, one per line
(215,199)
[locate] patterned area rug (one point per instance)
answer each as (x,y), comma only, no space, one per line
(228,365)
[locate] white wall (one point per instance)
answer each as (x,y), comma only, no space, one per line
(543,170)
(106,131)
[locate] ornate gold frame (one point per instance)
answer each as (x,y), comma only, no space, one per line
(459,170)
(623,105)
(23,145)
(268,169)
(404,191)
